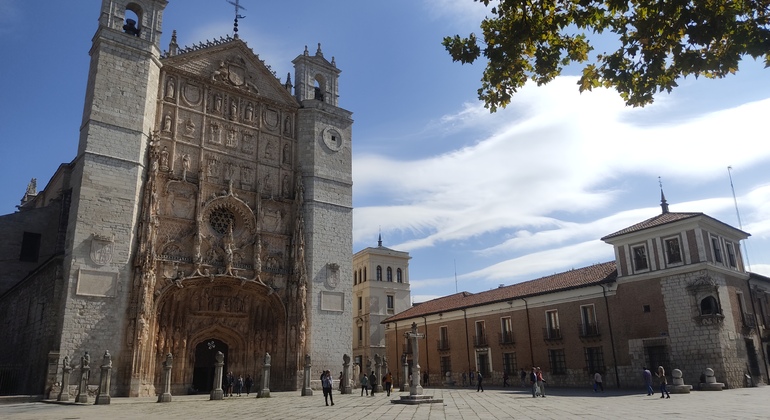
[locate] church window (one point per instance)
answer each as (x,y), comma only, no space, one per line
(673,251)
(640,258)
(221,220)
(709,306)
(390,274)
(399,276)
(717,249)
(391,304)
(379,273)
(30,247)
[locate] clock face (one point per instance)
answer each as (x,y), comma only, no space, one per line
(332,139)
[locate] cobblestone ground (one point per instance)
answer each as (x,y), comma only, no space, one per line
(748,403)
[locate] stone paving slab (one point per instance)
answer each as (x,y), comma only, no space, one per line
(517,403)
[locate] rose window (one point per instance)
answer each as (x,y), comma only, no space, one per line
(221,219)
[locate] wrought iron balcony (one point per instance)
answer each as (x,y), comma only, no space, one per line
(480,340)
(588,329)
(506,337)
(551,333)
(442,345)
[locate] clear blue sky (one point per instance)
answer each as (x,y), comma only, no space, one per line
(507,197)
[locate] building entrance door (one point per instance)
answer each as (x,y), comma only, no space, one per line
(203,373)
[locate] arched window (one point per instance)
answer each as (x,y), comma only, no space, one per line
(379,273)
(709,306)
(390,274)
(399,276)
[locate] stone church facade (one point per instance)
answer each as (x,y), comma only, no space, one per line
(209,208)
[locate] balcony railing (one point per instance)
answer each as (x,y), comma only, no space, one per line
(588,329)
(443,344)
(551,333)
(749,320)
(480,340)
(506,337)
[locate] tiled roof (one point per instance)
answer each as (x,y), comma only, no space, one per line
(581,277)
(658,220)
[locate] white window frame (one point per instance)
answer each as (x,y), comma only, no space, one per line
(643,246)
(666,253)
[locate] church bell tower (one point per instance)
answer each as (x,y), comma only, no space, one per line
(118,119)
(325,163)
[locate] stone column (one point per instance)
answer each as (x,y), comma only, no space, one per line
(405,380)
(346,388)
(306,390)
(64,394)
(85,373)
(166,395)
(103,397)
(415,388)
(217,393)
(378,373)
(265,391)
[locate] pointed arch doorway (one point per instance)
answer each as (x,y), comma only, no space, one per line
(203,372)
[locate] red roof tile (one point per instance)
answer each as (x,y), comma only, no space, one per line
(658,220)
(581,277)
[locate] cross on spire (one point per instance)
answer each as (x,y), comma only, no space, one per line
(238,8)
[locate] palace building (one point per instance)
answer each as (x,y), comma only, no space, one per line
(676,295)
(208,208)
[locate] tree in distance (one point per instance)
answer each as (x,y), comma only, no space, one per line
(660,41)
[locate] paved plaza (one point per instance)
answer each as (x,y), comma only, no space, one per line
(495,403)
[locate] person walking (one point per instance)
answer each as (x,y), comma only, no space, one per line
(340,387)
(479,385)
(230,382)
(239,385)
(523,377)
(647,375)
(364,385)
(373,382)
(505,379)
(661,374)
(248,383)
(326,384)
(533,382)
(541,382)
(598,382)
(388,382)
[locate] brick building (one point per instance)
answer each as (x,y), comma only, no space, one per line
(208,208)
(677,295)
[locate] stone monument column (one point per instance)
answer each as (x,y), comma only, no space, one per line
(377,372)
(103,397)
(64,394)
(217,393)
(346,388)
(85,373)
(306,390)
(265,391)
(166,395)
(405,367)
(415,388)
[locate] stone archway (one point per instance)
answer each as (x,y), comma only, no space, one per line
(244,318)
(203,366)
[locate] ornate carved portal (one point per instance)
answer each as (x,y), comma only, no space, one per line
(244,322)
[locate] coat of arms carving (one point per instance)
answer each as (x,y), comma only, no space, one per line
(101,249)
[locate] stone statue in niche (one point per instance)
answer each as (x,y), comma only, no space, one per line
(218,102)
(269,150)
(215,134)
(249,112)
(246,174)
(170,88)
(189,128)
(285,186)
(287,126)
(185,166)
(285,157)
(167,123)
(164,159)
(232,136)
(234,109)
(221,73)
